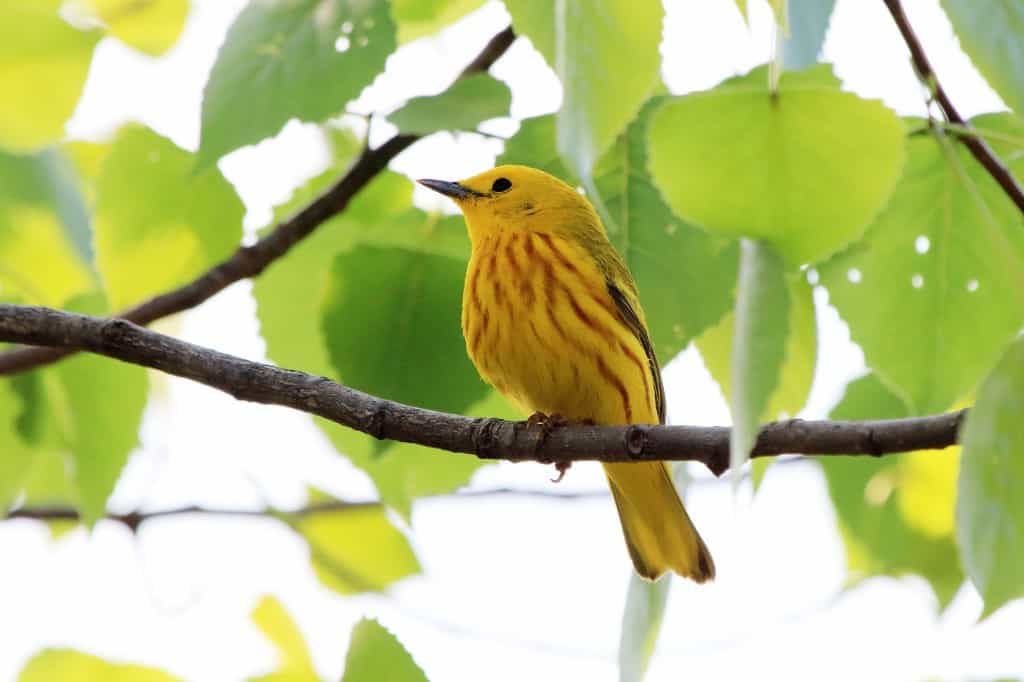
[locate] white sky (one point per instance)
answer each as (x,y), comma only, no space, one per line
(512,589)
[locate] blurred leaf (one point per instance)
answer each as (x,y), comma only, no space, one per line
(948,248)
(374,655)
(72,666)
(759,344)
(463,106)
(405,342)
(808,23)
(357,549)
(880,538)
(418,18)
(991,32)
(170,227)
(294,662)
(990,509)
(100,411)
(44,231)
(768,168)
(301,59)
(16,454)
(641,624)
(534,145)
(797,373)
(152,26)
(587,54)
(37,47)
(289,297)
(684,275)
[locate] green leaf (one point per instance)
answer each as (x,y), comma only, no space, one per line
(685,276)
(801,348)
(418,18)
(171,226)
(288,59)
(883,522)
(67,665)
(948,248)
(759,344)
(151,26)
(641,625)
(16,454)
(44,231)
(587,54)
(37,47)
(102,405)
(767,167)
(404,342)
(990,32)
(357,549)
(289,296)
(374,654)
(463,106)
(294,662)
(808,23)
(990,509)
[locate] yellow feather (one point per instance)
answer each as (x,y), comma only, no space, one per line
(552,320)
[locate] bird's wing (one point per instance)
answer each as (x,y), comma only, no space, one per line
(628,307)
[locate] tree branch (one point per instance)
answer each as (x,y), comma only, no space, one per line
(485,438)
(250,261)
(974,143)
(134,519)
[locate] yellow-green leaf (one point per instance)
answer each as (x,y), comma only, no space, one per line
(151,26)
(376,655)
(741,161)
(294,662)
(43,65)
(357,550)
(67,665)
(158,223)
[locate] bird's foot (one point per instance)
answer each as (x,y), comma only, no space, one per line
(545,424)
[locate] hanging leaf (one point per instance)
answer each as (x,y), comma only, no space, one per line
(38,47)
(878,501)
(990,33)
(375,654)
(173,224)
(990,510)
(301,59)
(463,106)
(949,247)
(294,662)
(67,665)
(763,166)
(587,54)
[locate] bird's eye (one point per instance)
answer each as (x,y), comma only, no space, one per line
(501,185)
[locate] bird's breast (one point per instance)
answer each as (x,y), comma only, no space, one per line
(541,328)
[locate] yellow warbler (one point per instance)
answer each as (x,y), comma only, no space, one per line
(553,321)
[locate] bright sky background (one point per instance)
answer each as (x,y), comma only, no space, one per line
(512,588)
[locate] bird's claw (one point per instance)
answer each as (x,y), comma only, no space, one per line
(545,424)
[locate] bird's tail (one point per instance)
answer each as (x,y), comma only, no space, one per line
(659,533)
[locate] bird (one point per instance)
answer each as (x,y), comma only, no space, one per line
(552,320)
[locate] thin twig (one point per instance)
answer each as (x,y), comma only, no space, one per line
(974,143)
(250,261)
(134,519)
(485,438)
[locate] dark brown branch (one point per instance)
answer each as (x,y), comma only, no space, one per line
(485,438)
(250,261)
(135,519)
(974,143)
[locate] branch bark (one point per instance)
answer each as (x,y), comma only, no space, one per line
(485,438)
(974,142)
(250,261)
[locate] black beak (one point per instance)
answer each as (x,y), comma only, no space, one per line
(449,189)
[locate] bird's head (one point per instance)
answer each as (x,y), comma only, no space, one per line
(516,198)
